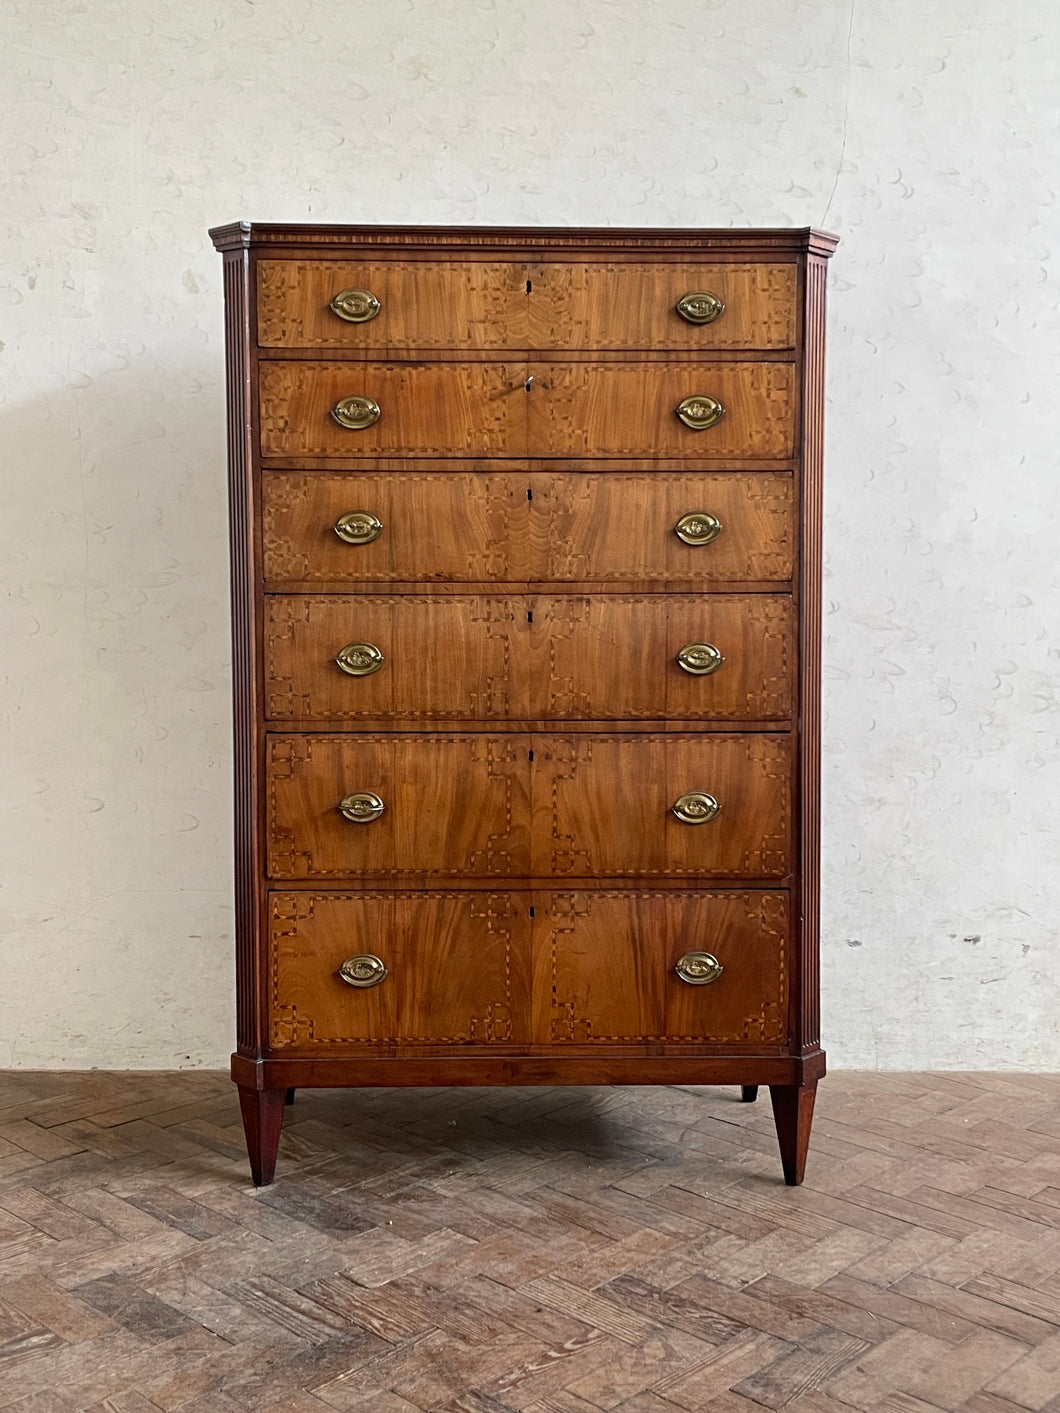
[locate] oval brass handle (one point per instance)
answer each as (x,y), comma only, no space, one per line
(696,807)
(356,306)
(700,307)
(363,970)
(356,412)
(701,659)
(358,527)
(362,807)
(700,411)
(361,659)
(698,968)
(698,527)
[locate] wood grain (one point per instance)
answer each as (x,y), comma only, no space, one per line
(450,304)
(427,409)
(437,528)
(630,304)
(484,409)
(547,1249)
(604,967)
(588,806)
(444,658)
(602,806)
(606,409)
(594,657)
(478,527)
(515,305)
(614,527)
(527,657)
(454,805)
(458,969)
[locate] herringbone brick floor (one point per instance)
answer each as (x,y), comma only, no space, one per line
(553,1251)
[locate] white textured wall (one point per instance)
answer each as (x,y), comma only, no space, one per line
(925,134)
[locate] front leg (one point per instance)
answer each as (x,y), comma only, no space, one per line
(793,1115)
(262,1121)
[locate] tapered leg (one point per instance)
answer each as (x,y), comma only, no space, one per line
(262,1122)
(749,1093)
(793,1114)
(290,1097)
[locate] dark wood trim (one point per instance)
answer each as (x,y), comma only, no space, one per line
(241,235)
(246,717)
(479,1069)
(808,775)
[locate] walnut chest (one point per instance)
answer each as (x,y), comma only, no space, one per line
(526,594)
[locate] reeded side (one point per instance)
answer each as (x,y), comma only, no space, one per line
(244,694)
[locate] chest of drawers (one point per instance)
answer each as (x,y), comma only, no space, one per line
(526,602)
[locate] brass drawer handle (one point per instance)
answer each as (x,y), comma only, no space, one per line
(361,659)
(701,659)
(696,807)
(362,807)
(356,412)
(700,307)
(700,411)
(363,970)
(356,306)
(358,527)
(698,527)
(698,968)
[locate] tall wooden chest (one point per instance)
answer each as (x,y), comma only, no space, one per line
(526,584)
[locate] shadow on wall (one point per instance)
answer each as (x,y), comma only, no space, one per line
(116,663)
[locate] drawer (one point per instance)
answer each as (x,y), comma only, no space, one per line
(613,526)
(451,305)
(413,658)
(631,409)
(602,305)
(418,658)
(476,806)
(455,969)
(571,409)
(473,968)
(468,527)
(425,409)
(604,967)
(452,805)
(612,656)
(445,304)
(603,806)
(439,527)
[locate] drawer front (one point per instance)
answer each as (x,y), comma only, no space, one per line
(452,305)
(629,409)
(634,306)
(572,409)
(614,526)
(431,528)
(421,305)
(409,658)
(603,806)
(476,527)
(452,805)
(433,658)
(615,656)
(425,409)
(604,967)
(456,969)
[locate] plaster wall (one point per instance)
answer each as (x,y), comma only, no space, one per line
(926,135)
